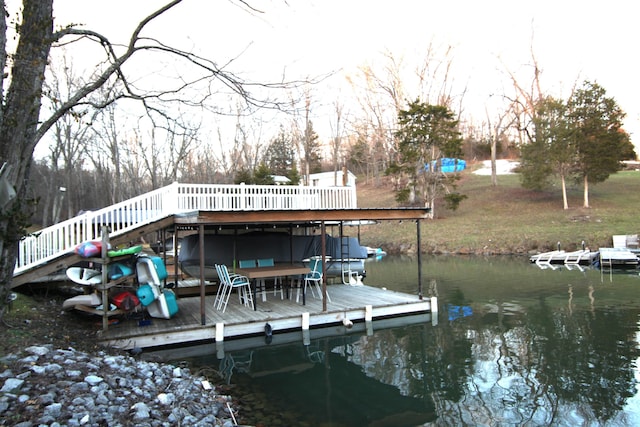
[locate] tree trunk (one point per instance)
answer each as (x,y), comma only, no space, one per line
(19,126)
(565,203)
(494,172)
(586,192)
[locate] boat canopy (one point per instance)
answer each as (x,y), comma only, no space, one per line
(282,247)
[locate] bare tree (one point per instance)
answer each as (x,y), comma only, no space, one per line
(23,123)
(336,140)
(497,131)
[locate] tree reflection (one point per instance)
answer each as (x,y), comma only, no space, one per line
(586,357)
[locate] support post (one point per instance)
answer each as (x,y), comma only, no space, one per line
(434,311)
(203,311)
(323,240)
(105,277)
(419,243)
(219,332)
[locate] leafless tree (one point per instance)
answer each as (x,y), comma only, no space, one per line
(23,123)
(336,139)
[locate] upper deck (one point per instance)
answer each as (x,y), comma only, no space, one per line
(57,240)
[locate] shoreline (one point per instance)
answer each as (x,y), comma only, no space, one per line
(44,385)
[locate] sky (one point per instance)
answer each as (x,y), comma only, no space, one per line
(572,40)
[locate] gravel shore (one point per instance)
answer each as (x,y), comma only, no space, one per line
(45,386)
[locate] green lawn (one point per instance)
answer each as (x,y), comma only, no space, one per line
(510,219)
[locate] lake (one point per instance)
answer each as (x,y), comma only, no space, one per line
(512,345)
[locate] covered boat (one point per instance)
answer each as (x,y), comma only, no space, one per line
(342,253)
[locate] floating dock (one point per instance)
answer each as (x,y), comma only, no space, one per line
(583,257)
(349,305)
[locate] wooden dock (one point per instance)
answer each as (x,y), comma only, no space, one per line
(348,304)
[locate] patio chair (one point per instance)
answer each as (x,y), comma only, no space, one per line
(313,279)
(260,287)
(247,263)
(227,284)
(277,281)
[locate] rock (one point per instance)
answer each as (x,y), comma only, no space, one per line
(37,350)
(93,379)
(45,385)
(12,385)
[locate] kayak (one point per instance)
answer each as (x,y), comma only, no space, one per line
(84,276)
(125,251)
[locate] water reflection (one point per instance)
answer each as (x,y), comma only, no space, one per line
(514,345)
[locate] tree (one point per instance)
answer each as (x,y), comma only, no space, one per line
(600,141)
(582,138)
(310,144)
(23,123)
(550,151)
(427,134)
(336,140)
(280,154)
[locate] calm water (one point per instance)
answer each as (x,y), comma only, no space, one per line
(512,345)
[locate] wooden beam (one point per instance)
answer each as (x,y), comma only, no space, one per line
(300,216)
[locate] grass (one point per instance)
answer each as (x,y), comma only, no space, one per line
(509,219)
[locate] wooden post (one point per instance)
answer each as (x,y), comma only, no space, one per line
(419,260)
(203,311)
(175,256)
(105,277)
(323,241)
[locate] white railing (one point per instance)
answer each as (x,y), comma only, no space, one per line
(51,242)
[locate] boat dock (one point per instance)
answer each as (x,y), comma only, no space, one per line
(583,257)
(234,211)
(349,305)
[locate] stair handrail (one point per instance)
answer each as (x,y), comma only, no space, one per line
(62,238)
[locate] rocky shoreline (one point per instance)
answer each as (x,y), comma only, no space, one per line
(45,386)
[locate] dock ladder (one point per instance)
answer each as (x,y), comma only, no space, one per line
(349,277)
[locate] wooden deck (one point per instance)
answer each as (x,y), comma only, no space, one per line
(355,303)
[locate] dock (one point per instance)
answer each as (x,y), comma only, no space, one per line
(180,210)
(349,305)
(583,257)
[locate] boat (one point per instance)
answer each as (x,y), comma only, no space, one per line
(84,276)
(375,252)
(344,253)
(86,300)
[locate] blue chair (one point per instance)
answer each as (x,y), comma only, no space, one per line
(313,278)
(247,263)
(277,281)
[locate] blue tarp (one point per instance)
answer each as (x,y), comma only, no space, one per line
(448,165)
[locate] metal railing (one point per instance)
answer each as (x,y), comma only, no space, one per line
(51,242)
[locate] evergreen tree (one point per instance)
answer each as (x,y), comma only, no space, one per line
(427,134)
(312,157)
(263,175)
(551,150)
(600,142)
(280,155)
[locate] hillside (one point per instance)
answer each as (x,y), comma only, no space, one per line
(508,219)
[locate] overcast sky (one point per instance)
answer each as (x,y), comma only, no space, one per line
(572,40)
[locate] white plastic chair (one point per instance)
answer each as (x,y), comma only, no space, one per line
(227,284)
(314,278)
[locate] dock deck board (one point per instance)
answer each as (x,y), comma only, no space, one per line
(282,314)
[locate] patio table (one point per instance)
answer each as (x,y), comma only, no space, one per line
(279,270)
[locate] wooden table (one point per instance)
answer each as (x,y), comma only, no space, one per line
(254,273)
